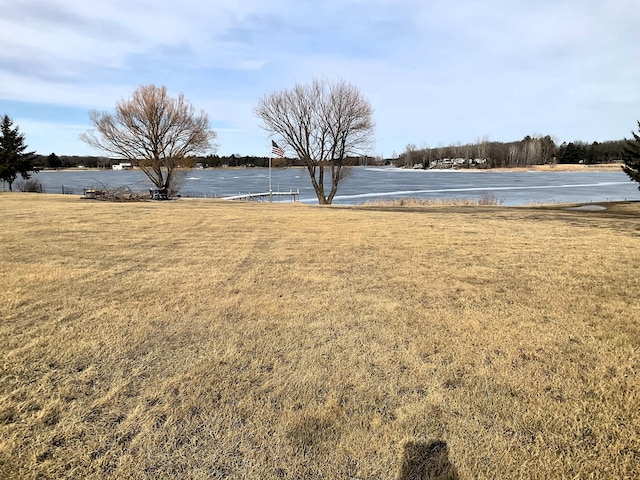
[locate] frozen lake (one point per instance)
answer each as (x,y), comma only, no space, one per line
(370,183)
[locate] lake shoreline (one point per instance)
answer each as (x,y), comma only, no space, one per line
(565,167)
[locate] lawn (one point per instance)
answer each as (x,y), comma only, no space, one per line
(207,339)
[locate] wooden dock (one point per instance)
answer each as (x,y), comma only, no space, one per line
(265,196)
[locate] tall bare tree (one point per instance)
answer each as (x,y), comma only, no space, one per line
(153,130)
(482,147)
(323,124)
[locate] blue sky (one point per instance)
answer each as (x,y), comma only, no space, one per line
(436,72)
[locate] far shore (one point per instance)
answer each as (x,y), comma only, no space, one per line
(560,167)
(563,167)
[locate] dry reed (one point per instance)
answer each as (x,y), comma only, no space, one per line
(484,200)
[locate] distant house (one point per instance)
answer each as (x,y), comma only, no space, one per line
(122,166)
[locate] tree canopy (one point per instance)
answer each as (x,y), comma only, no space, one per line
(14,159)
(155,131)
(323,124)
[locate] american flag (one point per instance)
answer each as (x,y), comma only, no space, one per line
(276,150)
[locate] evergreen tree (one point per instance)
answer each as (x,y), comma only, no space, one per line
(631,156)
(53,161)
(13,158)
(570,153)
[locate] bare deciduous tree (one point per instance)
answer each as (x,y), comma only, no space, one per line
(153,130)
(323,124)
(482,148)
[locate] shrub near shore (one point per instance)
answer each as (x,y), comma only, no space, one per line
(231,340)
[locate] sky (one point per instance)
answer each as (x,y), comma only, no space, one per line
(436,72)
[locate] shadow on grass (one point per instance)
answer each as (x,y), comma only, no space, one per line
(427,461)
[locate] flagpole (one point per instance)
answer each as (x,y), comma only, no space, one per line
(270,194)
(275,150)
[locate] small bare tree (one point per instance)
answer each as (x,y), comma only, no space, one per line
(155,131)
(323,124)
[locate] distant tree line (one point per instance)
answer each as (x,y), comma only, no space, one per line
(481,154)
(528,151)
(216,161)
(537,150)
(54,161)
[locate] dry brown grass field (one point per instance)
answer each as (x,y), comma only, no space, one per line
(204,339)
